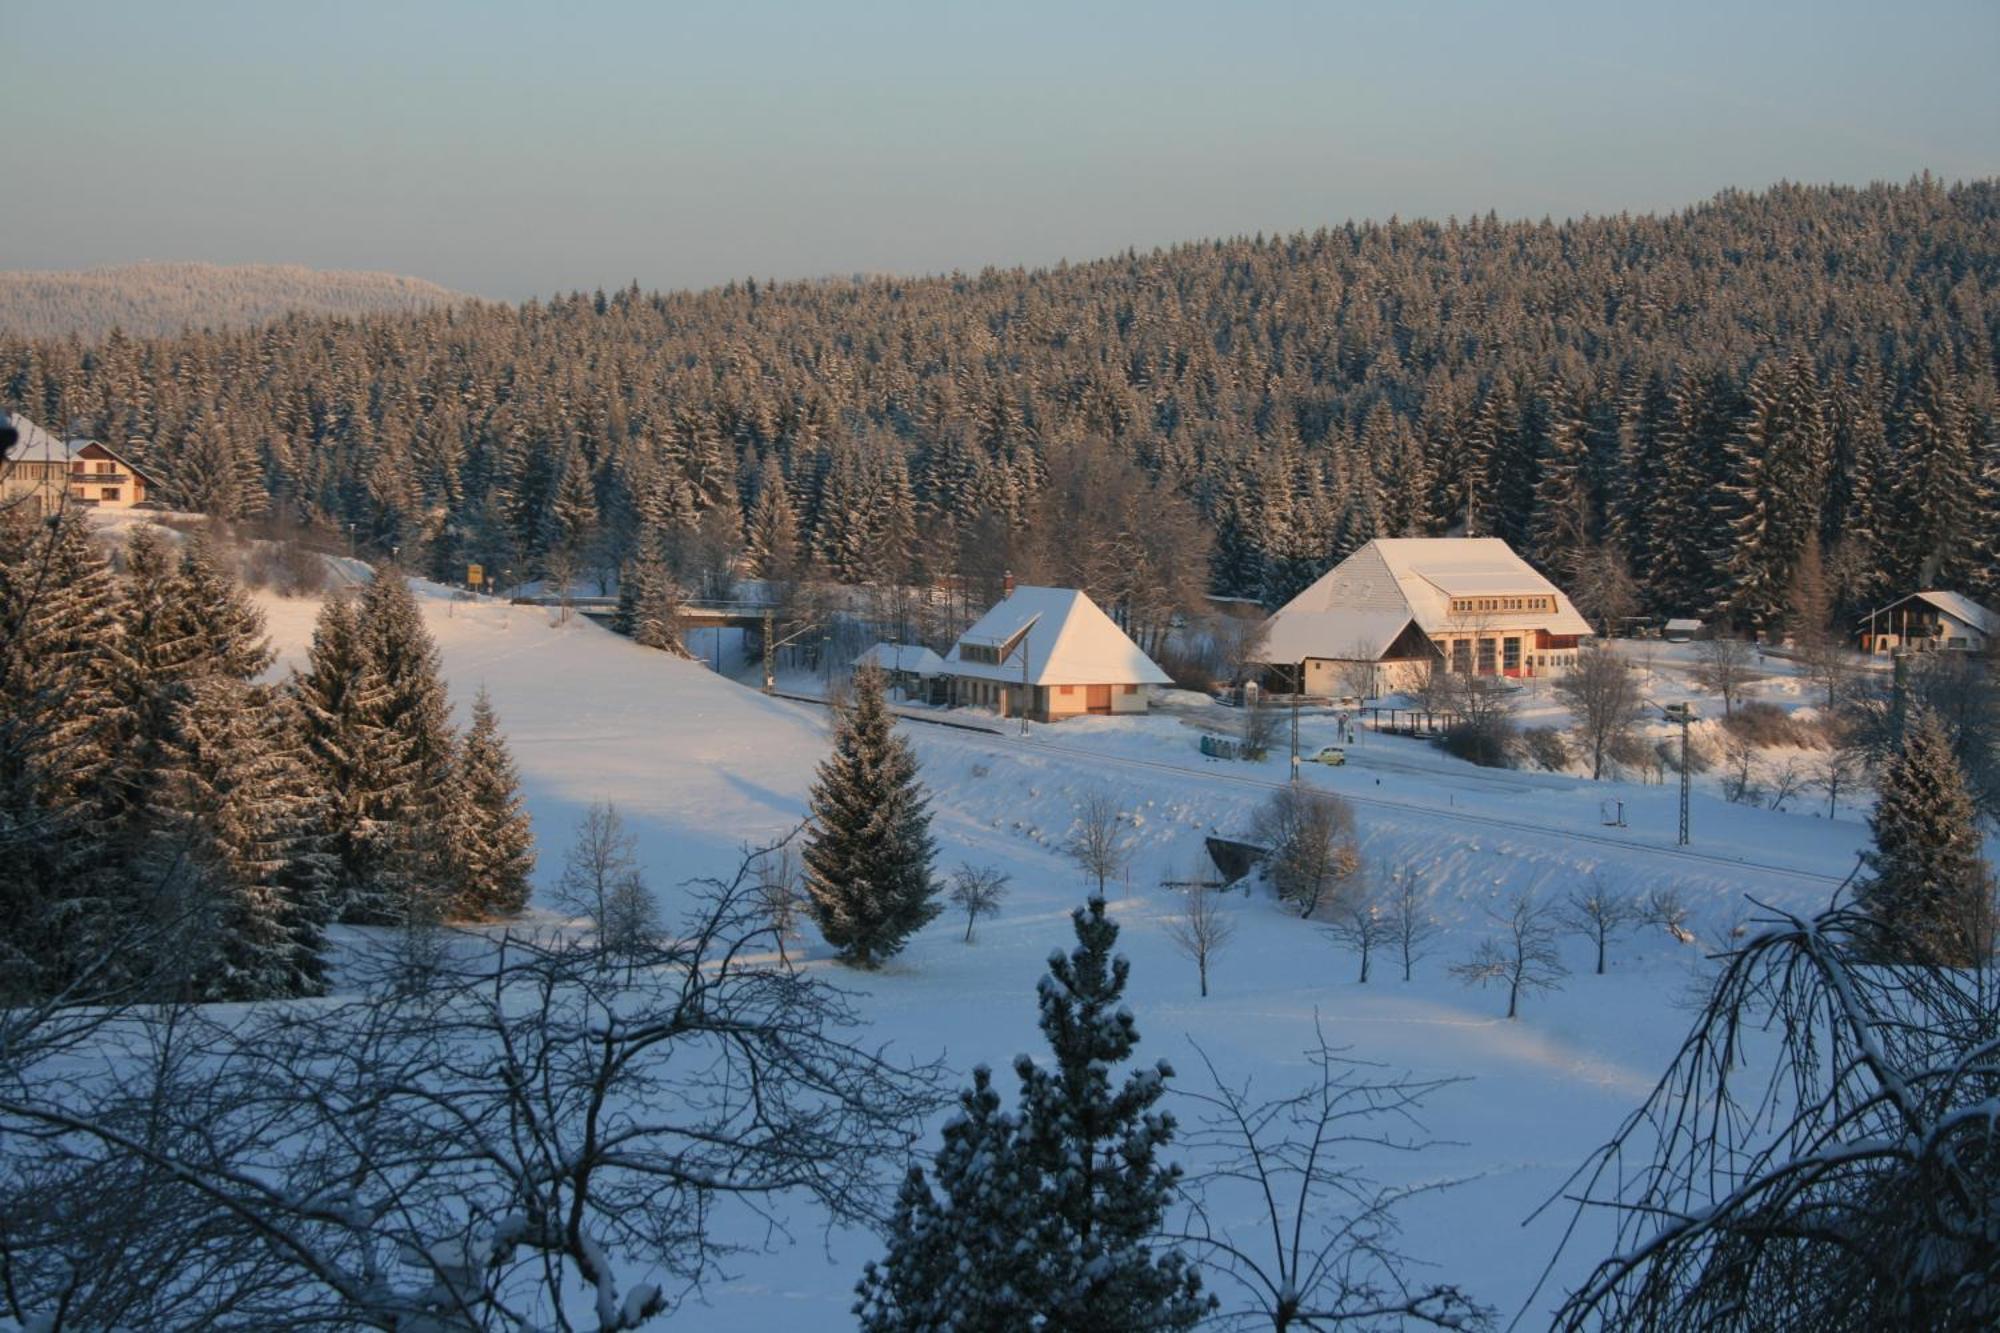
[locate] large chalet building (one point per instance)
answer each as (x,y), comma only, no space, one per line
(48,473)
(1402,605)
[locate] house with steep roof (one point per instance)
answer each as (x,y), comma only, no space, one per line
(49,473)
(1051,653)
(1400,605)
(1933,621)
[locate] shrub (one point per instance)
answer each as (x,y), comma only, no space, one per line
(1546,748)
(1765,724)
(1700,757)
(1490,742)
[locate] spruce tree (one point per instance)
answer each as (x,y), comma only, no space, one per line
(1047,1218)
(222,626)
(240,834)
(420,760)
(341,699)
(492,843)
(1930,889)
(868,855)
(60,721)
(773,536)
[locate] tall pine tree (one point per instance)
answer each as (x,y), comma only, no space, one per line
(1048,1218)
(492,843)
(868,855)
(1930,889)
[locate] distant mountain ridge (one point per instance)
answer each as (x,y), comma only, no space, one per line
(159,299)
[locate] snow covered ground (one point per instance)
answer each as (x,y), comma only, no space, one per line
(700,765)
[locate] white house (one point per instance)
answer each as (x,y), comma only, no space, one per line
(1053,653)
(1929,621)
(909,666)
(1401,604)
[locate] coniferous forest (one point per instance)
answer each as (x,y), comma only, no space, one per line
(1684,414)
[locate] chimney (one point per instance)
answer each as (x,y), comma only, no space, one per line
(1007,584)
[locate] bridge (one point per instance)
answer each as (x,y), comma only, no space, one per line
(696,615)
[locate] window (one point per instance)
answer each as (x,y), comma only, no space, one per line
(1510,654)
(107,493)
(1067,689)
(1131,689)
(104,469)
(1486,647)
(1461,655)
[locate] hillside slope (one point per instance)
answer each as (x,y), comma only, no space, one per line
(158,299)
(699,765)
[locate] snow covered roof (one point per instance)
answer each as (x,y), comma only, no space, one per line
(1358,607)
(1682,624)
(1956,605)
(1069,640)
(910,658)
(36,445)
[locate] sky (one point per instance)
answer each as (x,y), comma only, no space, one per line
(514,150)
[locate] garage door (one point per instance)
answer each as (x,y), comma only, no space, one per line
(1097,698)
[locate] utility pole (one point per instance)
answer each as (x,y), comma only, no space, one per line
(1683,714)
(1027,690)
(1298,688)
(770,679)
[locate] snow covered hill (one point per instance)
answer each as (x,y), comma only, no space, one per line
(700,765)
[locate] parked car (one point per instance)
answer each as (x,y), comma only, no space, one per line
(1333,754)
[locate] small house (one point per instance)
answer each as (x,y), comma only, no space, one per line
(1051,653)
(1933,621)
(1400,605)
(910,667)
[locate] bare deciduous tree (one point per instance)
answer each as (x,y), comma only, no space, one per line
(1837,771)
(1667,907)
(493,1152)
(1787,780)
(1843,1179)
(1202,929)
(1598,914)
(780,893)
(1723,666)
(1258,727)
(1096,841)
(1602,696)
(1320,1253)
(1361,923)
(1411,925)
(1522,956)
(977,891)
(1313,851)
(600,862)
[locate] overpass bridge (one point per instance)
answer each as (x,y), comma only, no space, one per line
(696,615)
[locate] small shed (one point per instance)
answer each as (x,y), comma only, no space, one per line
(1680,630)
(910,667)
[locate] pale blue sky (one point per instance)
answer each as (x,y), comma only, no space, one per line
(513,149)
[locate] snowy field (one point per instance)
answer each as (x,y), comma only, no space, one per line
(700,765)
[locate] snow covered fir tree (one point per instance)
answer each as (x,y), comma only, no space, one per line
(868,850)
(1047,1217)
(177,827)
(1928,888)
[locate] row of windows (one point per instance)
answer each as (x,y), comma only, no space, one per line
(1465,606)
